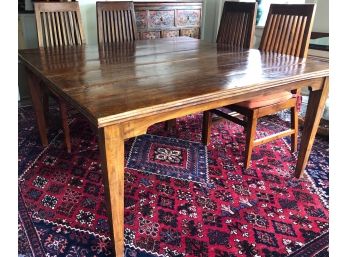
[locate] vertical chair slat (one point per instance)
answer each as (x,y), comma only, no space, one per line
(67,27)
(127,25)
(79,24)
(237,31)
(228,28)
(245,24)
(232,30)
(58,29)
(124,29)
(286,35)
(265,35)
(271,35)
(45,28)
(108,26)
(39,28)
(276,32)
(62,22)
(77,31)
(279,33)
(53,17)
(113,39)
(104,36)
(301,34)
(116,26)
(292,35)
(131,32)
(71,26)
(50,28)
(295,37)
(119,26)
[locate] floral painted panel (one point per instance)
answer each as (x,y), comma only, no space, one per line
(150,35)
(188,18)
(193,32)
(160,19)
(141,19)
(170,33)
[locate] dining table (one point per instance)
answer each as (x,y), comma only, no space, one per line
(123,88)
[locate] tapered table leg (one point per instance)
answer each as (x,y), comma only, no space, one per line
(206,129)
(170,125)
(315,107)
(111,144)
(36,97)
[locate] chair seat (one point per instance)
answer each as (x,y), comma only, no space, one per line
(266,100)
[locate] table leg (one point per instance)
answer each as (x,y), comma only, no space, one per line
(315,108)
(111,144)
(36,97)
(170,125)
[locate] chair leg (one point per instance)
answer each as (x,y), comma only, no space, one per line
(250,136)
(294,125)
(207,120)
(64,118)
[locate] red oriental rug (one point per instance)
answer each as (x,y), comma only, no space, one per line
(181,198)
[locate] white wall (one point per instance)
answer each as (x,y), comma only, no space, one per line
(321,20)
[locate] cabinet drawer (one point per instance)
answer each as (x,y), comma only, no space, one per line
(141,19)
(188,18)
(161,19)
(150,35)
(170,33)
(192,32)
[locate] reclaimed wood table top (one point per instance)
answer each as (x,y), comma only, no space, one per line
(115,83)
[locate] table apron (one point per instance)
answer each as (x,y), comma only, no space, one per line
(138,126)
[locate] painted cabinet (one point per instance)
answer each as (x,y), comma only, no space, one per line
(168,19)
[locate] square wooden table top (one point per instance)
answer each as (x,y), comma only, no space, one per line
(114,83)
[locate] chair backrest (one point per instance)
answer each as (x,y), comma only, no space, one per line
(237,25)
(288,29)
(116,22)
(59,24)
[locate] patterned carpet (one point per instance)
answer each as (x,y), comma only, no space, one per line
(217,209)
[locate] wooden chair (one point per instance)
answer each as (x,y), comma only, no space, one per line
(116,22)
(237,25)
(287,31)
(59,24)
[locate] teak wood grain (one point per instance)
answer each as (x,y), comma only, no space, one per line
(157,80)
